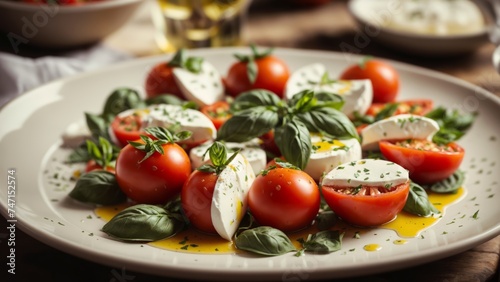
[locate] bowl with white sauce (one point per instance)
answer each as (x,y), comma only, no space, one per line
(424,27)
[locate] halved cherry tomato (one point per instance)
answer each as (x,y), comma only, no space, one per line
(272,75)
(284,198)
(160,80)
(126,128)
(384,78)
(426,161)
(415,106)
(367,205)
(217,112)
(196,199)
(155,180)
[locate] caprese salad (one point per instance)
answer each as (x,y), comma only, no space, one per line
(262,152)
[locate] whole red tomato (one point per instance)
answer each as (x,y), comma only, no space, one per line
(365,208)
(426,161)
(272,74)
(384,78)
(196,199)
(160,80)
(284,198)
(153,179)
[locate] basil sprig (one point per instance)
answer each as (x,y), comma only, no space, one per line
(264,240)
(98,187)
(218,157)
(103,153)
(452,124)
(162,136)
(325,241)
(418,202)
(258,111)
(144,223)
(192,64)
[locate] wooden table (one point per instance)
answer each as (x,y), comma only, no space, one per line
(319,28)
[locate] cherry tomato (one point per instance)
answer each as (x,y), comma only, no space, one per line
(416,106)
(126,128)
(384,78)
(426,161)
(272,75)
(284,198)
(196,199)
(155,180)
(160,80)
(370,206)
(217,112)
(269,145)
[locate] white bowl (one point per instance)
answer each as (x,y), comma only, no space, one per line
(53,26)
(369,15)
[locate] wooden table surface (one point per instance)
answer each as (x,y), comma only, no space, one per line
(318,28)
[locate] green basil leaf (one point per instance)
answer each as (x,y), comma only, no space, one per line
(254,98)
(178,59)
(120,100)
(79,155)
(169,99)
(446,135)
(98,187)
(97,125)
(326,220)
(248,124)
(326,241)
(418,202)
(143,223)
(329,121)
(264,240)
(387,111)
(294,141)
(330,100)
(303,101)
(193,64)
(450,184)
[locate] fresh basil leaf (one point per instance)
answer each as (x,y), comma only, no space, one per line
(193,64)
(178,59)
(329,121)
(418,202)
(326,241)
(165,99)
(303,101)
(79,155)
(387,111)
(452,124)
(97,125)
(120,100)
(328,99)
(326,220)
(144,223)
(98,187)
(446,135)
(248,124)
(255,98)
(264,240)
(450,184)
(294,141)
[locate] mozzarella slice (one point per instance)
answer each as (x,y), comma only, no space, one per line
(229,202)
(366,172)
(406,126)
(357,94)
(75,134)
(328,153)
(250,150)
(203,88)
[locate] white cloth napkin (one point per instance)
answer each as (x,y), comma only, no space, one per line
(20,74)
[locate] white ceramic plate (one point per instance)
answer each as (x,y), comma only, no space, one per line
(30,130)
(369,16)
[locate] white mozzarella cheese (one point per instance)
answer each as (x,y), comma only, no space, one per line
(366,172)
(250,150)
(203,88)
(405,126)
(229,202)
(187,119)
(75,134)
(328,153)
(357,94)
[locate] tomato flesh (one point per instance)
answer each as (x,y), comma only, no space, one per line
(217,112)
(426,162)
(196,199)
(286,199)
(126,129)
(368,206)
(155,180)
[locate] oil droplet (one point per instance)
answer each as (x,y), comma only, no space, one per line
(372,247)
(399,242)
